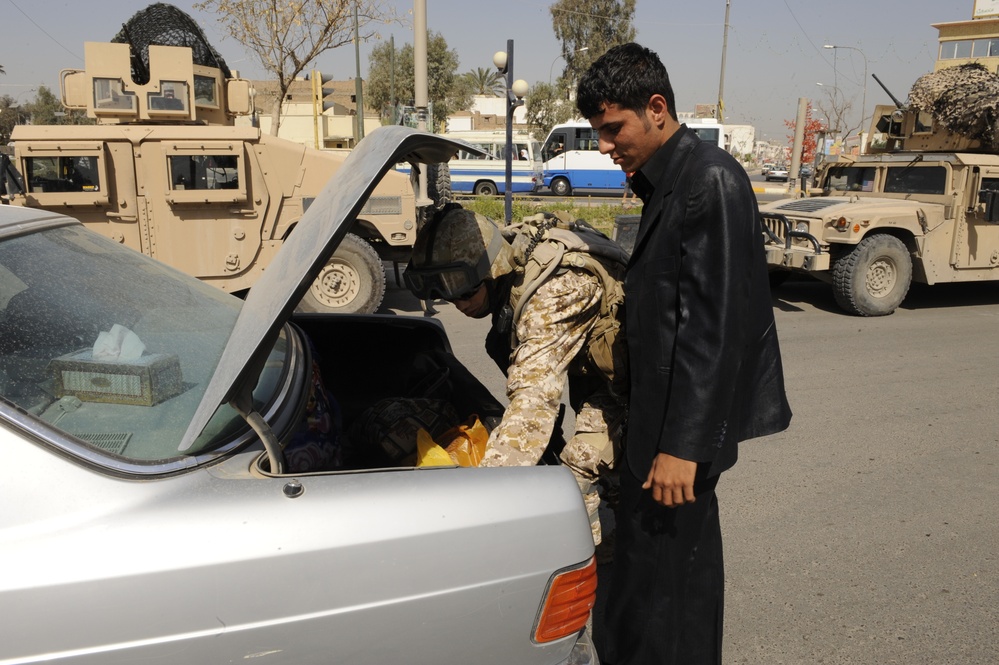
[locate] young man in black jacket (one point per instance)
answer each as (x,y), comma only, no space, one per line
(705,372)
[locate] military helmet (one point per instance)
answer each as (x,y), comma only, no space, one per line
(454,253)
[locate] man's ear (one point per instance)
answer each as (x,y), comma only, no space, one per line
(658,109)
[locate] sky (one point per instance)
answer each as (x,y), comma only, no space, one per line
(774,55)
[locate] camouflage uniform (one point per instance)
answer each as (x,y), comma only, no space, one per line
(552,339)
(552,334)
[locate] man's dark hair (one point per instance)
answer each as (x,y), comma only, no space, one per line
(627,75)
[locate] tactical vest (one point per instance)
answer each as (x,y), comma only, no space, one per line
(544,245)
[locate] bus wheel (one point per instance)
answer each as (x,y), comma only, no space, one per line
(485,188)
(561,187)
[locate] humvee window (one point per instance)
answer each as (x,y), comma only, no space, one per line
(204,91)
(916,180)
(204,172)
(851,179)
(63,174)
(110,96)
(990,184)
(173,97)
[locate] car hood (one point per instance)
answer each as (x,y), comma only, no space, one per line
(274,296)
(824,206)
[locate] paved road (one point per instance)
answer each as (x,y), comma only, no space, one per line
(867,532)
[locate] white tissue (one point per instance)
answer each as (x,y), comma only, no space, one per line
(119,343)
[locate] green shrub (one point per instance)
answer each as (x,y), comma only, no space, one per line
(599,215)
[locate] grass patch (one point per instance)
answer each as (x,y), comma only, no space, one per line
(599,215)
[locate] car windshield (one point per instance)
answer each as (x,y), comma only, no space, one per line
(112,347)
(851,179)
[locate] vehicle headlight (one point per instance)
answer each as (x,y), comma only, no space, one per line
(801,227)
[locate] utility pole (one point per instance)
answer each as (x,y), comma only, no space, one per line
(358,83)
(720,110)
(392,99)
(421,88)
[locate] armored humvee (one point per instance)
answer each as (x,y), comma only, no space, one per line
(922,204)
(167,171)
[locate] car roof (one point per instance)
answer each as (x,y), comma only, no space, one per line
(273,297)
(17,220)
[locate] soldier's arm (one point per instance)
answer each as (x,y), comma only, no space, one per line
(551,330)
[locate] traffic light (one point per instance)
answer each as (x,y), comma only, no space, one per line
(319,103)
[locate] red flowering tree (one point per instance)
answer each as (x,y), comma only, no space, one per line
(812,129)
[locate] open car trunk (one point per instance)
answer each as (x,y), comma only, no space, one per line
(375,364)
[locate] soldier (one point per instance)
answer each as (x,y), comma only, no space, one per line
(553,290)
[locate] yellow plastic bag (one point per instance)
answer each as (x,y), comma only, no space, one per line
(428,453)
(466,443)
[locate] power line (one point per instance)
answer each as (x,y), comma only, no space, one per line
(14,5)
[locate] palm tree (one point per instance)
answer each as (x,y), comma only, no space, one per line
(485,81)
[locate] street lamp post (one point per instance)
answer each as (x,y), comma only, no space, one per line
(515,91)
(863,104)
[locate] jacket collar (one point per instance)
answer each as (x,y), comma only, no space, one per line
(657,177)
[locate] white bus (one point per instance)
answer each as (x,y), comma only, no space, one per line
(707,129)
(486,174)
(572,159)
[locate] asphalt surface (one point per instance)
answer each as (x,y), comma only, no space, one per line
(867,532)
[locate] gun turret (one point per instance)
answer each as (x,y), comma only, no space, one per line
(140,77)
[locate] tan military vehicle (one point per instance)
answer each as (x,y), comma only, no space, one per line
(922,205)
(167,171)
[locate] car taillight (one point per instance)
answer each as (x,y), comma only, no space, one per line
(570,597)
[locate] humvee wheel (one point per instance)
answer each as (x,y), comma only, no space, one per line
(874,277)
(352,281)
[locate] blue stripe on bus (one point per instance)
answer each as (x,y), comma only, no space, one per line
(589,178)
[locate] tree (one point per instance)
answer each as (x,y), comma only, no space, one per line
(546,107)
(594,25)
(47,109)
(485,81)
(447,92)
(836,108)
(812,129)
(10,115)
(287,36)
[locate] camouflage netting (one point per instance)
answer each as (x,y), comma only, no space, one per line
(165,25)
(964,99)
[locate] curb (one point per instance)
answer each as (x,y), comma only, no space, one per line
(771,190)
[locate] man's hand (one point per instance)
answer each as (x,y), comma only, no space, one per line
(671,480)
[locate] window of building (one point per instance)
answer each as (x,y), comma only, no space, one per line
(968,48)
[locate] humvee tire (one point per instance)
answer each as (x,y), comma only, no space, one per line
(874,277)
(353,281)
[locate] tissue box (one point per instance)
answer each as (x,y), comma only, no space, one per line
(146,381)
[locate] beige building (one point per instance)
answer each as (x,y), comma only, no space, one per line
(333,128)
(975,40)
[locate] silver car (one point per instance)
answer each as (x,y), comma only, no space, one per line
(150,511)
